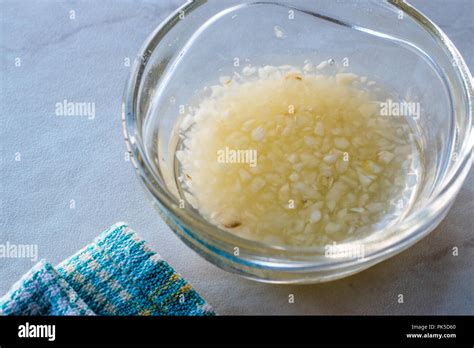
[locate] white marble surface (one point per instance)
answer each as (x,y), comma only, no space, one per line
(82,59)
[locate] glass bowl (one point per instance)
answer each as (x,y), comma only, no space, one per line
(389,41)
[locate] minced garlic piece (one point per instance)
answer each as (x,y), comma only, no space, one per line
(326,166)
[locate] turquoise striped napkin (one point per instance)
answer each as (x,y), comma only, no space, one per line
(117,274)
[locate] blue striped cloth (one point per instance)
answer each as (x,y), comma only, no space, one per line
(117,274)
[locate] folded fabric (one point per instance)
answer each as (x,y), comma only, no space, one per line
(42,291)
(118,274)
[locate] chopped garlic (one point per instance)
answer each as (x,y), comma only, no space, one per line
(258,134)
(327,171)
(244,175)
(249,71)
(319,129)
(322,65)
(294,177)
(332,227)
(341,143)
(345,78)
(365,179)
(309,140)
(315,216)
(308,67)
(257,184)
(330,159)
(386,157)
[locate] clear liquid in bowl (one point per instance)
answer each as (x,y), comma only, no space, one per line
(299,157)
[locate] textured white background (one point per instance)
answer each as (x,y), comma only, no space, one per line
(80,159)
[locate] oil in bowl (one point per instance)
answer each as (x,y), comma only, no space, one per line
(294,156)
